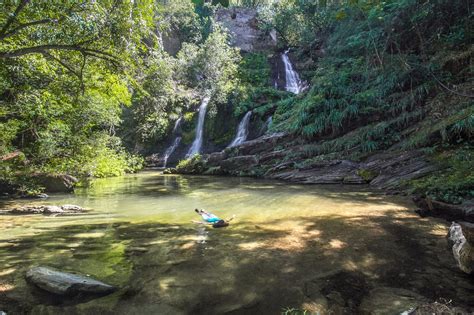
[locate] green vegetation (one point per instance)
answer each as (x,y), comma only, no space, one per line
(89,88)
(83,84)
(192,165)
(65,73)
(455,181)
(384,75)
(255,90)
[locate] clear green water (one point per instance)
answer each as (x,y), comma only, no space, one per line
(306,247)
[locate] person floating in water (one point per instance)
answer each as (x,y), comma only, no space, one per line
(210,218)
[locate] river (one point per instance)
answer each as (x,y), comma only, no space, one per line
(304,247)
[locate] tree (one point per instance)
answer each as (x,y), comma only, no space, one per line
(211,68)
(66,69)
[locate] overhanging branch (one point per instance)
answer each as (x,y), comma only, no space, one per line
(13,17)
(23,26)
(42,49)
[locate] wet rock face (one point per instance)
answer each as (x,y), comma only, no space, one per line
(154,160)
(46,210)
(461,240)
(67,284)
(324,172)
(263,144)
(243,26)
(279,156)
(238,163)
(215,158)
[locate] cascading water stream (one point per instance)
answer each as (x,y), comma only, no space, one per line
(177,124)
(242,131)
(170,150)
(269,121)
(175,143)
(197,143)
(293,82)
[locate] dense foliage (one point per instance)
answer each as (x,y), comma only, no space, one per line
(83,84)
(69,72)
(65,73)
(394,74)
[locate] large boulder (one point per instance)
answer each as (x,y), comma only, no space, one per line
(461,241)
(67,284)
(59,183)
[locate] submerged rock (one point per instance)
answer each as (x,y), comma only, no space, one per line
(68,284)
(461,240)
(442,307)
(386,300)
(72,208)
(43,209)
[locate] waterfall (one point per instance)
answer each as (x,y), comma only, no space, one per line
(273,35)
(175,143)
(242,131)
(293,82)
(266,126)
(170,150)
(196,147)
(268,122)
(177,123)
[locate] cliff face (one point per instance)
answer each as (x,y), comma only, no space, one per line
(242,25)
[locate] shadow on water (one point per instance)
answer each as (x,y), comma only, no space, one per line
(333,261)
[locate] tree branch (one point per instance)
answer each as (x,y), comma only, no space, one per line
(23,26)
(62,63)
(13,17)
(41,49)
